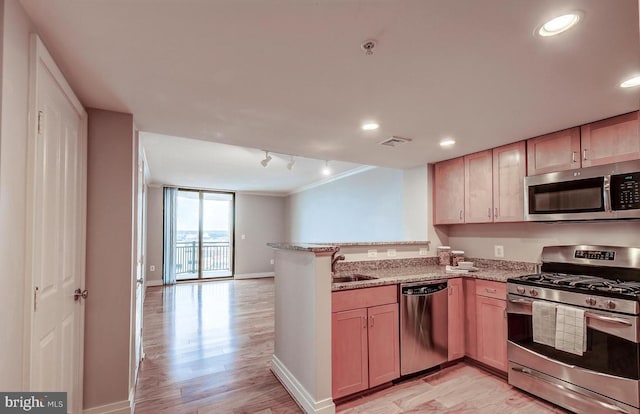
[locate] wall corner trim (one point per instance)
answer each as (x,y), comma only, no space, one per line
(120,407)
(253,275)
(298,392)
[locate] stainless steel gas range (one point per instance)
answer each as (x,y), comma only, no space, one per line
(574,329)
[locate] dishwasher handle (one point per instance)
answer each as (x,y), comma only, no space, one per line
(423,290)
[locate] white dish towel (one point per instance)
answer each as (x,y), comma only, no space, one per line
(544,323)
(571,330)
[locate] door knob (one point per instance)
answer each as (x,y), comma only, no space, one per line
(77,294)
(140,280)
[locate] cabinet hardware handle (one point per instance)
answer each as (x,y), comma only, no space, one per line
(496,214)
(460,214)
(584,154)
(35,298)
(364,322)
(490,290)
(372,321)
(573,156)
(489,212)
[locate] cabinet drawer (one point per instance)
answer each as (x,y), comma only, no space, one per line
(363,298)
(491,289)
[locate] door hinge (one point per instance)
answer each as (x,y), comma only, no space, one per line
(40,122)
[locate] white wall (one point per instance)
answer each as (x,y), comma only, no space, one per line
(261,220)
(524,241)
(16,28)
(362,207)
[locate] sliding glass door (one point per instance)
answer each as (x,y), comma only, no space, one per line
(204,235)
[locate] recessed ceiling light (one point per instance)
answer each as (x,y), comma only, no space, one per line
(559,24)
(370,126)
(326,170)
(631,82)
(447,142)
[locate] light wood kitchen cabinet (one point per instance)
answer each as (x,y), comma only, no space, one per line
(603,142)
(558,151)
(365,339)
(509,170)
(494,184)
(470,330)
(610,140)
(456,318)
(478,187)
(448,193)
(491,324)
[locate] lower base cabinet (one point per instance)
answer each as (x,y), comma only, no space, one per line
(365,340)
(491,324)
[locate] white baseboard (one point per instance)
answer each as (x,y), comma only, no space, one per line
(299,392)
(120,407)
(253,275)
(154,283)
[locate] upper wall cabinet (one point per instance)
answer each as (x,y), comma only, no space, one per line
(494,184)
(558,151)
(448,192)
(610,140)
(603,142)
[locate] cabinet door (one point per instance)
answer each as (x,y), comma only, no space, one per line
(558,151)
(509,169)
(384,344)
(492,332)
(448,192)
(470,331)
(610,140)
(478,183)
(349,358)
(456,319)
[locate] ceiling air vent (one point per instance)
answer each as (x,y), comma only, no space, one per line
(394,141)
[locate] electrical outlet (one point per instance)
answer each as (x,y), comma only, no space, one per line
(498,251)
(372,253)
(243,237)
(152,268)
(273,261)
(391,252)
(424,251)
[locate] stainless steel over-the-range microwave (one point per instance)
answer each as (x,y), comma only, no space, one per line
(609,191)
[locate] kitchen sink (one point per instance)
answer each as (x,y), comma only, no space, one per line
(351,278)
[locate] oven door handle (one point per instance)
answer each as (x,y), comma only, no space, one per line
(529,373)
(521,301)
(607,319)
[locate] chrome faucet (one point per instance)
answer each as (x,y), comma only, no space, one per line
(334,260)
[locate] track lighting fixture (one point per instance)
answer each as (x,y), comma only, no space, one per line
(290,163)
(266,160)
(326,170)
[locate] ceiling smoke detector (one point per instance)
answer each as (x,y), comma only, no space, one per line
(368,46)
(394,141)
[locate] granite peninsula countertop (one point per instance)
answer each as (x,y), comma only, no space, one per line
(423,273)
(307,247)
(332,247)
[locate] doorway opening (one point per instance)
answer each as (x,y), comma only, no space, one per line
(204,234)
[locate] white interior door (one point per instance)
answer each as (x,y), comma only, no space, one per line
(56,241)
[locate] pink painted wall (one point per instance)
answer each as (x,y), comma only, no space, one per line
(110,247)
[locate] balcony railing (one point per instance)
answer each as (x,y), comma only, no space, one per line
(215,256)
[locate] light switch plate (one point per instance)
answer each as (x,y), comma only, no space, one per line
(424,251)
(372,253)
(273,261)
(243,237)
(152,268)
(498,251)
(391,252)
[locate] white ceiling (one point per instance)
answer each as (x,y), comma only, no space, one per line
(200,164)
(289,75)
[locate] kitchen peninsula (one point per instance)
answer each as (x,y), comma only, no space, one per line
(303,308)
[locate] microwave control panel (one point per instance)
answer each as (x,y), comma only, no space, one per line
(625,191)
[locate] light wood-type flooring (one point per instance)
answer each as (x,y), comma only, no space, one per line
(208,349)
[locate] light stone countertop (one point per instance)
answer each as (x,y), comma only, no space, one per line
(422,273)
(305,247)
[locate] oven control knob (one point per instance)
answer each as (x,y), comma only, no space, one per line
(591,301)
(533,292)
(520,290)
(610,304)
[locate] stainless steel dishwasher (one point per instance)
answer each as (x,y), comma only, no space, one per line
(423,325)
